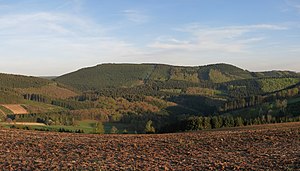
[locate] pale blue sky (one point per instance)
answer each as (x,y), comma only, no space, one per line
(53,37)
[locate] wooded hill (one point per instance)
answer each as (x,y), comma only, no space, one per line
(174,97)
(130,75)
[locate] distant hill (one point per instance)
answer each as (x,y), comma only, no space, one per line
(48,77)
(14,87)
(277,74)
(131,75)
(20,81)
(107,75)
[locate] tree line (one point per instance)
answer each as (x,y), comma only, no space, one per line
(195,123)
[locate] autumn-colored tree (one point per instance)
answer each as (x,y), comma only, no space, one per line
(149,129)
(125,131)
(99,128)
(113,130)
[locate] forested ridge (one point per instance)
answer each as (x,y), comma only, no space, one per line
(171,98)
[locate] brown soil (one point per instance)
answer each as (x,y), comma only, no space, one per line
(268,147)
(15,108)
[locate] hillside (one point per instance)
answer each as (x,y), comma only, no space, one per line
(15,86)
(52,90)
(20,81)
(14,89)
(173,98)
(131,75)
(107,75)
(277,74)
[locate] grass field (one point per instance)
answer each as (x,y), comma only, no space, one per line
(88,126)
(37,107)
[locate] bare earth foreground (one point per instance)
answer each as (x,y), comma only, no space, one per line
(266,147)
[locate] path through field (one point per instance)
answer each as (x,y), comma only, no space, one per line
(267,147)
(26,123)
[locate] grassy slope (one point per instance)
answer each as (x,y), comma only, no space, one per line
(275,84)
(222,73)
(34,107)
(37,107)
(161,73)
(50,90)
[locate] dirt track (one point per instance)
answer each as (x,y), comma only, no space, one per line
(1,112)
(26,123)
(272,147)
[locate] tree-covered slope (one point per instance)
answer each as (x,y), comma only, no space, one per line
(130,75)
(9,83)
(107,75)
(14,89)
(10,97)
(20,81)
(277,74)
(19,85)
(218,73)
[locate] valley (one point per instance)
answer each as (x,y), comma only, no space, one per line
(172,98)
(149,85)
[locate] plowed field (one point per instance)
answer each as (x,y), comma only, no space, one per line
(267,147)
(15,108)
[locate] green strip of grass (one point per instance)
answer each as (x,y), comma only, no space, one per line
(87,126)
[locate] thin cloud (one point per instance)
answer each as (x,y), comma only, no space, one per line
(46,24)
(222,39)
(50,37)
(2,6)
(135,16)
(295,4)
(75,5)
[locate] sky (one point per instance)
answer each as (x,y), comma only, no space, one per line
(54,37)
